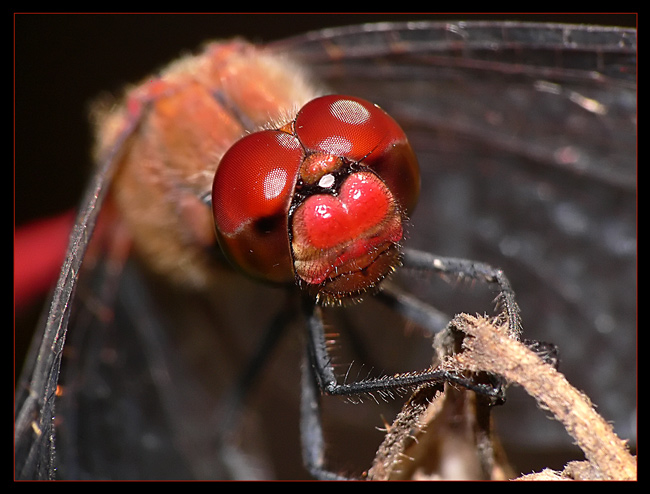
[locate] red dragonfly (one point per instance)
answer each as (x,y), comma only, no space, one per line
(529,179)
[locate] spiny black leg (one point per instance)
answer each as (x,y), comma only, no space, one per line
(464,268)
(323,376)
(311,429)
(317,346)
(382,386)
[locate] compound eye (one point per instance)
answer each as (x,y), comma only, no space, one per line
(251,196)
(340,125)
(360,131)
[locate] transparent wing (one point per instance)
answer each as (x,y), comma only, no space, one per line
(37,388)
(526,134)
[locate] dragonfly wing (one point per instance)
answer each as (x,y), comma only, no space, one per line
(526,136)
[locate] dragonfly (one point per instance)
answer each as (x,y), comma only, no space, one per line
(539,180)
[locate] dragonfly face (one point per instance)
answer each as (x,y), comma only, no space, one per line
(321,201)
(502,184)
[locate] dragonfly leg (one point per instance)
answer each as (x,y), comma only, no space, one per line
(473,270)
(318,375)
(311,429)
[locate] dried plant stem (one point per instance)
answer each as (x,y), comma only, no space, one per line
(489,349)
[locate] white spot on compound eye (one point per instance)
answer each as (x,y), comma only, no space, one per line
(326,181)
(274,183)
(349,112)
(337,145)
(287,141)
